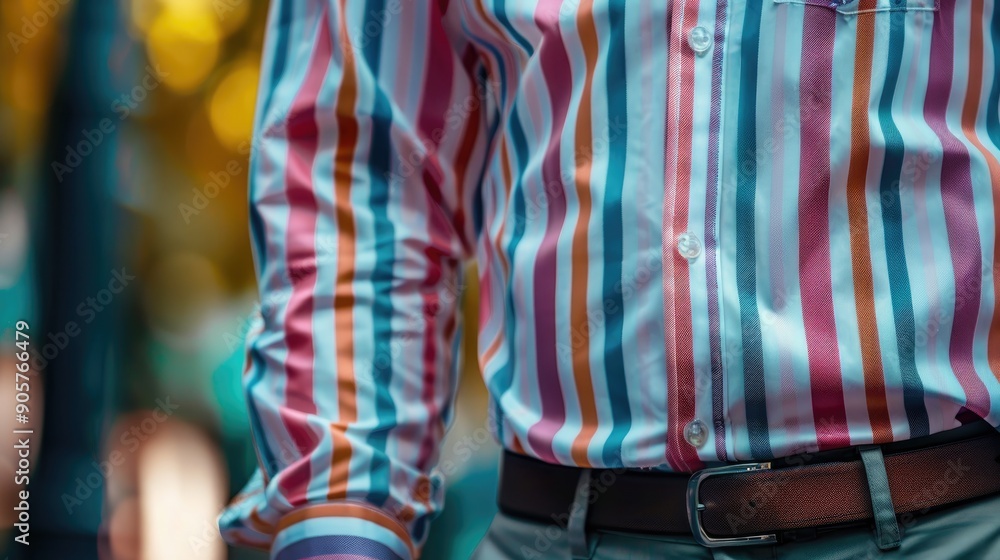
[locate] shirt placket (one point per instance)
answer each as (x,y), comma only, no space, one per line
(690,315)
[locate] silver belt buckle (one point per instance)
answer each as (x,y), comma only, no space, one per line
(695,507)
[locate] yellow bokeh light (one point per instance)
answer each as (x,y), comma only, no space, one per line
(229,14)
(232,15)
(143,13)
(190,6)
(184,45)
(231,108)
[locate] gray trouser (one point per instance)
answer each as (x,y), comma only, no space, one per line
(967,532)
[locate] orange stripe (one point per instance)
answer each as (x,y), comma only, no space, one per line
(517,447)
(343,301)
(352,510)
(258,524)
(857,208)
(969,112)
(490,351)
(581,263)
(507,182)
(494,27)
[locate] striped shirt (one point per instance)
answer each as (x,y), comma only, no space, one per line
(705,231)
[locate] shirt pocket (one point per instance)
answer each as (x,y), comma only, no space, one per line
(855,7)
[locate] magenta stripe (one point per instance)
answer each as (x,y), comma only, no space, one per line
(925,229)
(436,99)
(816,75)
(556,69)
(959,212)
(711,251)
(303,138)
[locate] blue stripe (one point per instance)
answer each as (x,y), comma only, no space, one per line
(477,206)
(746,247)
(270,464)
(892,223)
(504,377)
(378,170)
(259,240)
(281,29)
(993,106)
(337,544)
(614,359)
(500,11)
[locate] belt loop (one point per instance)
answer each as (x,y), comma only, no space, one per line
(580,546)
(886,527)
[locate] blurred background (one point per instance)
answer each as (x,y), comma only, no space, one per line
(125,128)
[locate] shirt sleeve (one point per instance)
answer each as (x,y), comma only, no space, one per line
(372,129)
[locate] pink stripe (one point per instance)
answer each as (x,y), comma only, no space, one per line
(966,250)
(556,69)
(303,137)
(829,413)
(437,95)
(682,390)
(431,124)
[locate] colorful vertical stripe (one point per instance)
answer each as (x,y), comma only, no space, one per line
(834,170)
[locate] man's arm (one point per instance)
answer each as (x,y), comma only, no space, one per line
(371,141)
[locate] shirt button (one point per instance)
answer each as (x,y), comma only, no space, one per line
(700,40)
(696,433)
(688,245)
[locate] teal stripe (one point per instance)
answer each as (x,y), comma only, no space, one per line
(993,106)
(258,235)
(755,395)
(378,169)
(614,358)
(501,382)
(892,224)
(500,11)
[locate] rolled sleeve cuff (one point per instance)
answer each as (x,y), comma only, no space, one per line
(340,531)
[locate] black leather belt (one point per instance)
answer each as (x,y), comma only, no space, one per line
(753,503)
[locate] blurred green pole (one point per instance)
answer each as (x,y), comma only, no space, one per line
(79,231)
